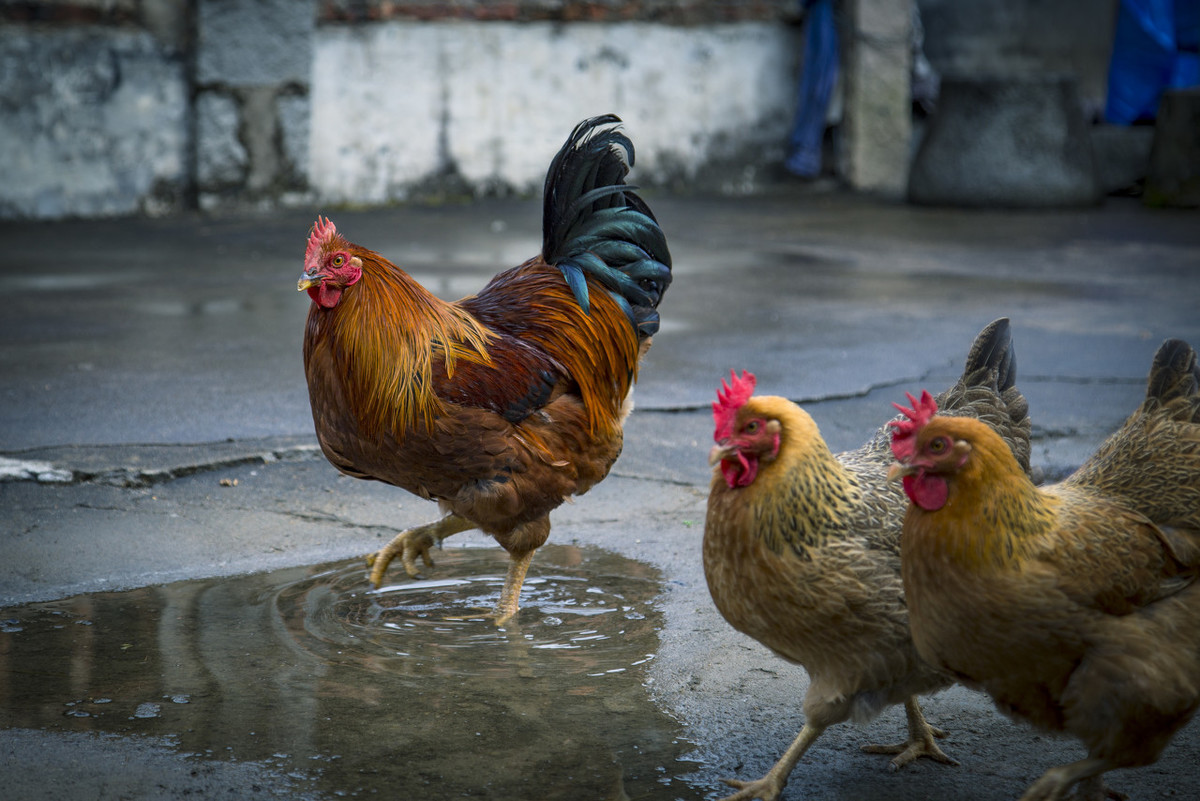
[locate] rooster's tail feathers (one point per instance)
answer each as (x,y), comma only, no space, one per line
(594,224)
(1175,379)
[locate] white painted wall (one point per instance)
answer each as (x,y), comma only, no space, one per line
(397,103)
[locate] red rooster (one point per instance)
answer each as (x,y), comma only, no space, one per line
(503,404)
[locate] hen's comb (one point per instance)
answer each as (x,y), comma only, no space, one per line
(322,230)
(905,430)
(731,397)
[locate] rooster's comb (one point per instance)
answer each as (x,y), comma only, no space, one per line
(731,397)
(905,430)
(321,232)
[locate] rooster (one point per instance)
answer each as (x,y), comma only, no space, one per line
(802,552)
(504,404)
(1075,606)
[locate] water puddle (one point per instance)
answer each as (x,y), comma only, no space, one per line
(409,691)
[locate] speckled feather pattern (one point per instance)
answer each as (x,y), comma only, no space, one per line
(806,559)
(1076,606)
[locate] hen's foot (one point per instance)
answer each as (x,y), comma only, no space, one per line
(412,543)
(920,741)
(910,750)
(1054,783)
(768,788)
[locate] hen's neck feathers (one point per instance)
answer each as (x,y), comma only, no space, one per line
(804,496)
(993,513)
(388,329)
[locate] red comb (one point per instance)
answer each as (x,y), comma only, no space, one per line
(322,230)
(905,430)
(730,398)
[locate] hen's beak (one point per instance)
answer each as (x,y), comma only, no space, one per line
(308,280)
(720,451)
(899,471)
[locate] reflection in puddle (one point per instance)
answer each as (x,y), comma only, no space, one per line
(408,691)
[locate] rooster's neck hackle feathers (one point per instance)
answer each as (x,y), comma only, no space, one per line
(390,330)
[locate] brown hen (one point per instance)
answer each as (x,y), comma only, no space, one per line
(802,552)
(1075,606)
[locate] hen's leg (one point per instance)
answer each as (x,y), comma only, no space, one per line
(920,740)
(769,787)
(414,542)
(1054,783)
(506,607)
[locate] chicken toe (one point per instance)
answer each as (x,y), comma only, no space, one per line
(920,741)
(414,542)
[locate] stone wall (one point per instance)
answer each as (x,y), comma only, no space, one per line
(407,107)
(113,107)
(93,122)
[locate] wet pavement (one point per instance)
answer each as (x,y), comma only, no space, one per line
(181,606)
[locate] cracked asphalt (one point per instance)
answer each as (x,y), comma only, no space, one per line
(155,425)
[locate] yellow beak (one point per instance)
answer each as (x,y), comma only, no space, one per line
(308,280)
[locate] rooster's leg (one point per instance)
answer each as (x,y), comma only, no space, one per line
(769,787)
(920,740)
(414,542)
(506,607)
(1055,783)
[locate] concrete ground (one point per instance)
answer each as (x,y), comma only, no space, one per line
(147,353)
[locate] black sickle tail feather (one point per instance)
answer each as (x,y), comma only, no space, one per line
(594,224)
(1175,375)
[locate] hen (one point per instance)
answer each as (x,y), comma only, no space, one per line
(802,552)
(503,404)
(1075,606)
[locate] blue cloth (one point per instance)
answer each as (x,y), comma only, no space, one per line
(1154,48)
(818,74)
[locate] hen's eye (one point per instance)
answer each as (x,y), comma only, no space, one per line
(939,445)
(752,427)
(339,260)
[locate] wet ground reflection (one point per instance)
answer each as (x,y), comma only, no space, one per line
(408,691)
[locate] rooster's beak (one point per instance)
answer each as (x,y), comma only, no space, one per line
(308,280)
(720,451)
(899,471)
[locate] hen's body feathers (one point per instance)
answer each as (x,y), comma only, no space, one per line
(1075,606)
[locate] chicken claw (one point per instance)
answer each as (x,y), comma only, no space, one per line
(920,741)
(414,542)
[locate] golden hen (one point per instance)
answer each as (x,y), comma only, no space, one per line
(1075,606)
(503,404)
(802,551)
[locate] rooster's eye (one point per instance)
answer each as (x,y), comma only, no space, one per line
(939,445)
(339,260)
(752,427)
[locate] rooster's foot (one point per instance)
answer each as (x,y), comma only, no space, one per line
(412,543)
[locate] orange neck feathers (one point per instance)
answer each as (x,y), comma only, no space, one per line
(993,512)
(389,328)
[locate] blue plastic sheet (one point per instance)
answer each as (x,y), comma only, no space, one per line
(1154,48)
